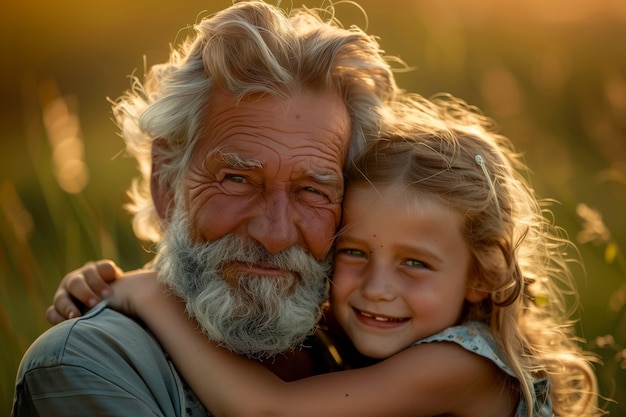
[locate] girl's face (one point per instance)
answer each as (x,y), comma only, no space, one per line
(401,270)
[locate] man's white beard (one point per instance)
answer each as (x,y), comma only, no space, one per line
(259,316)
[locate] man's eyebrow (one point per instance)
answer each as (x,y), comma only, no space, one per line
(235,160)
(327,177)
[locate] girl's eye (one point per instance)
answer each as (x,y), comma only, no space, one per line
(352,252)
(414,263)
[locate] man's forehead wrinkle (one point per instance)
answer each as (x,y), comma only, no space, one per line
(331,135)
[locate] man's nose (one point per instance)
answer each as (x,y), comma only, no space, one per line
(275,227)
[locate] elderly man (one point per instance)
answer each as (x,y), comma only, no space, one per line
(241,139)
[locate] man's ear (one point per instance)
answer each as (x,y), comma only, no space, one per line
(161,193)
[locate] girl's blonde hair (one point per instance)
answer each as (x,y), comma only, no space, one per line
(449,150)
(250,48)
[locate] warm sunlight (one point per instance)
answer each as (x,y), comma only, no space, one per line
(552,74)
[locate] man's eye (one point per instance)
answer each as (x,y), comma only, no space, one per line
(312,190)
(314,196)
(240,179)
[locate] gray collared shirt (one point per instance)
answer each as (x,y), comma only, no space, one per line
(101,364)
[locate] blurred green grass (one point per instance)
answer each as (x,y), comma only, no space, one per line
(552,74)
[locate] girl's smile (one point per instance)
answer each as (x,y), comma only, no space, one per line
(373,319)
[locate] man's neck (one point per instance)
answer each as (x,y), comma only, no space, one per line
(291,366)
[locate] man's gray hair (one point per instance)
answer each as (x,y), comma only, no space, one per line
(248,48)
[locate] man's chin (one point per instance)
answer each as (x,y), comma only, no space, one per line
(251,313)
(259,318)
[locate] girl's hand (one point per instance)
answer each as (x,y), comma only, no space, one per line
(137,291)
(87,285)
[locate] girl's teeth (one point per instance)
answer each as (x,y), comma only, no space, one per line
(375,317)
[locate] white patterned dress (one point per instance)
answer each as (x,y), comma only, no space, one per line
(477,337)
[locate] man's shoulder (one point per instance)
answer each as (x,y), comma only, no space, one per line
(103,363)
(100,332)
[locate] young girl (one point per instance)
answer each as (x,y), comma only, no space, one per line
(444,267)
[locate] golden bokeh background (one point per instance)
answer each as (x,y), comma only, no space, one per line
(551,73)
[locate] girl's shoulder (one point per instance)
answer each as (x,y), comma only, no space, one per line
(475,337)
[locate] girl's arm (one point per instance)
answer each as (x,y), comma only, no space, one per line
(425,380)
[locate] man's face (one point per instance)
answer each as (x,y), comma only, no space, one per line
(246,246)
(270,170)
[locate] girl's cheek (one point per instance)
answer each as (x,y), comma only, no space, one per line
(345,281)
